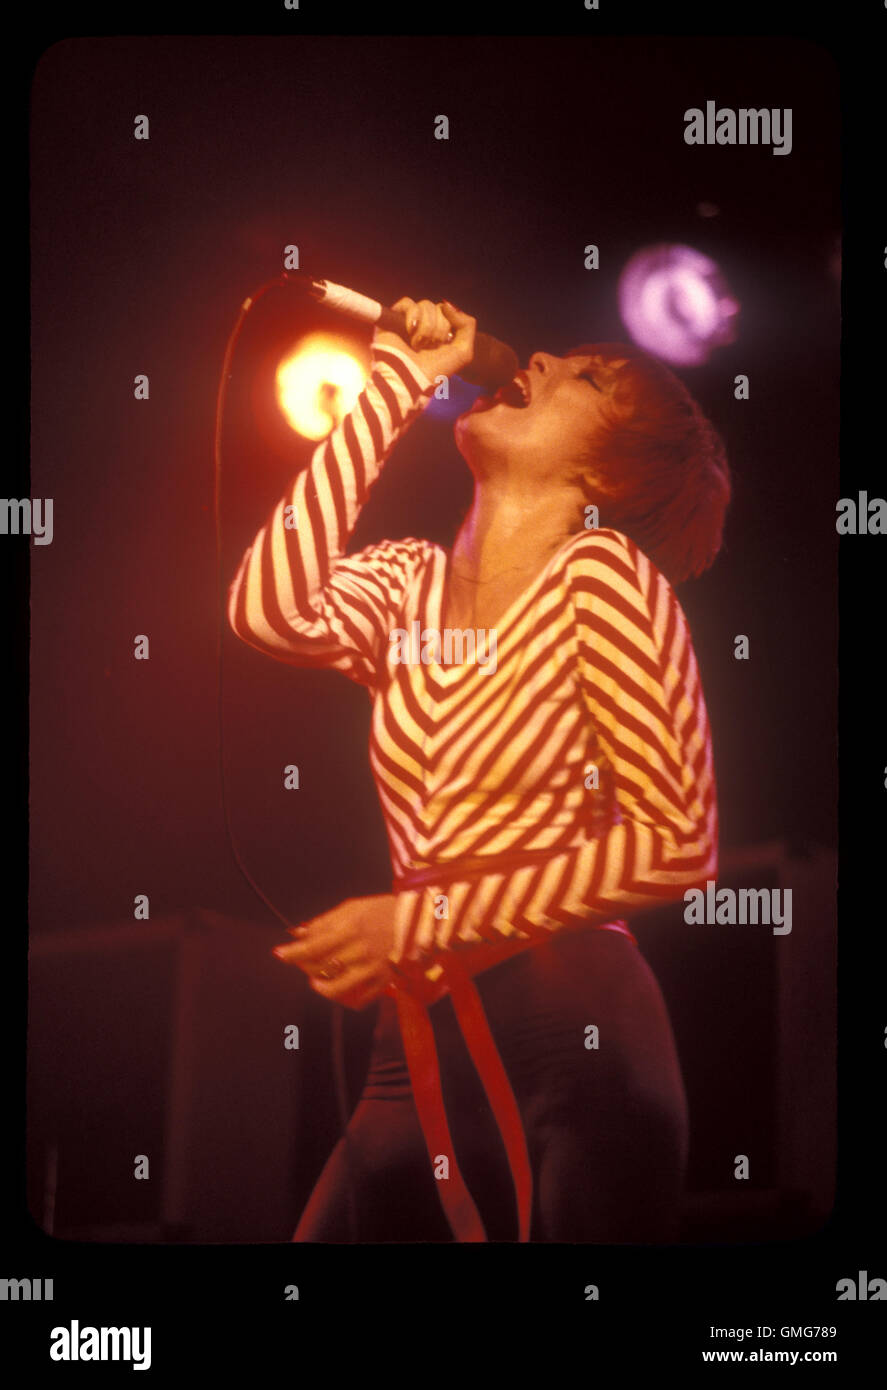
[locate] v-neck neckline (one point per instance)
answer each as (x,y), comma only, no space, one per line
(435,602)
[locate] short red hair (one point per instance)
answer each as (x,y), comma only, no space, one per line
(658,469)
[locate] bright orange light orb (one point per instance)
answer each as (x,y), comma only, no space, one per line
(318,384)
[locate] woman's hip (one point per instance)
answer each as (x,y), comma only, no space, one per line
(580,1015)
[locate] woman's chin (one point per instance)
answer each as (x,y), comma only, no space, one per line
(486,410)
(481,405)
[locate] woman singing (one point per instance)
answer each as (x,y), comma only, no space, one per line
(543,759)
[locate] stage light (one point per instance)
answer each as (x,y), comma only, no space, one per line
(318,384)
(675,304)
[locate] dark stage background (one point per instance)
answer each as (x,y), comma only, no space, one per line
(142,252)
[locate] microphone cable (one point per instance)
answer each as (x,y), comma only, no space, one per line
(341,1080)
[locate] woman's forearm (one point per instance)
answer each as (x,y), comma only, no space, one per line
(276,601)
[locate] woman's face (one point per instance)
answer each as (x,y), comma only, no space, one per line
(546,428)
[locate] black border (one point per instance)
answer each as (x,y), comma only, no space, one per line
(220,1307)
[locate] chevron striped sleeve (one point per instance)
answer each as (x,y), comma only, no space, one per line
(631,651)
(295,596)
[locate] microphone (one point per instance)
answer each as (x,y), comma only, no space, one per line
(494,364)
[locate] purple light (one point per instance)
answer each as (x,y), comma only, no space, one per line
(676,304)
(462,397)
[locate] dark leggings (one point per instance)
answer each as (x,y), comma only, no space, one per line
(606,1127)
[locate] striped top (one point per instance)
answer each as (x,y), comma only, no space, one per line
(584,744)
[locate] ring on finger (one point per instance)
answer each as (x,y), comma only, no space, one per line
(330,970)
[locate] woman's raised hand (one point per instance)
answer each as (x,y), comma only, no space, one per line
(428,328)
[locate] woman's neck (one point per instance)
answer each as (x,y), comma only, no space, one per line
(506,533)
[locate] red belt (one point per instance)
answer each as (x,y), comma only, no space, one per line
(424,1068)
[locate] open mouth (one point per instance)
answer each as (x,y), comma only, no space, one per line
(515,394)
